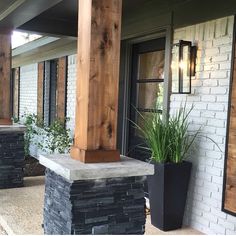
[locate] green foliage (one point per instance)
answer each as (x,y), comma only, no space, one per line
(181,138)
(58,138)
(50,139)
(15,119)
(30,122)
(168,141)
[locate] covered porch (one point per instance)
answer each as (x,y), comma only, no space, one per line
(101,63)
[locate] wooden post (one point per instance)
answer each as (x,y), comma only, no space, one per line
(5,79)
(61,89)
(16,83)
(97,81)
(40,90)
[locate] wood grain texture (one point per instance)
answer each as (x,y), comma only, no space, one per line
(61,89)
(98,74)
(95,156)
(230,187)
(5,122)
(40,90)
(5,77)
(16,78)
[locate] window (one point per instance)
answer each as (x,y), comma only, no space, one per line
(55,86)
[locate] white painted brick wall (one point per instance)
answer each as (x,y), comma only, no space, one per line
(28,89)
(71,89)
(210,97)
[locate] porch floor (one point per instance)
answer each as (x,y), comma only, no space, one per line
(21,211)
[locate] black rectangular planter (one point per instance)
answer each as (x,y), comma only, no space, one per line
(168,189)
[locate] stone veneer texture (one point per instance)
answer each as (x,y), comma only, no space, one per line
(11,159)
(105,206)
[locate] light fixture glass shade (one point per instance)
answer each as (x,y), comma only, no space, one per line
(183,67)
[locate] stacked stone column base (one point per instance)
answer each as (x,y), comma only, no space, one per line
(11,159)
(103,206)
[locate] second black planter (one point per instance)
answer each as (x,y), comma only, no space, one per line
(168,189)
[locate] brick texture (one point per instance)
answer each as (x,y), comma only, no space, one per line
(210,99)
(71,89)
(28,89)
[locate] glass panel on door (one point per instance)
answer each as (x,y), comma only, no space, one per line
(151,65)
(147,86)
(150,95)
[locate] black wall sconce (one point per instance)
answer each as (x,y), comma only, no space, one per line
(183,66)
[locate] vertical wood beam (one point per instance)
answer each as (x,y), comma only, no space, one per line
(61,89)
(97,81)
(5,79)
(16,90)
(40,90)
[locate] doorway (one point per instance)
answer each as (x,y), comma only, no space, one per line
(146,90)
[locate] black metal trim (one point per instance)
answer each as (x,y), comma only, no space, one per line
(43,89)
(47,76)
(53,89)
(181,92)
(152,110)
(193,56)
(66,87)
(50,93)
(228,121)
(150,80)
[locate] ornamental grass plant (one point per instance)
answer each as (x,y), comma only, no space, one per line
(168,140)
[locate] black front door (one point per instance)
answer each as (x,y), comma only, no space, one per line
(147,85)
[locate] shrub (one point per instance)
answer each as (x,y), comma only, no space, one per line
(54,138)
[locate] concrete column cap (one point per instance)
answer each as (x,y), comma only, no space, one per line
(72,170)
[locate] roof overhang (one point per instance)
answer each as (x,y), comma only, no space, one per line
(15,13)
(60,17)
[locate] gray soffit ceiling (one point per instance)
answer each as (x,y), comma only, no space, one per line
(14,13)
(60,17)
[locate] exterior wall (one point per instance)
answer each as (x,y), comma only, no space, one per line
(210,89)
(28,89)
(71,89)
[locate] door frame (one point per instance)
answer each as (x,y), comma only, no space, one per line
(125,76)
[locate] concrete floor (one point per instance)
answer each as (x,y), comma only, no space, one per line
(2,231)
(21,211)
(151,230)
